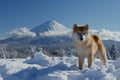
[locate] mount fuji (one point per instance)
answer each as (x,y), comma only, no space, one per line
(48,33)
(51,28)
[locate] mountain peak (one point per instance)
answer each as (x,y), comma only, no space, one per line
(50,27)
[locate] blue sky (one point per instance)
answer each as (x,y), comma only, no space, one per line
(98,14)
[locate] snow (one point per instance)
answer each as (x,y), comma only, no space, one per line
(51,28)
(42,67)
(39,58)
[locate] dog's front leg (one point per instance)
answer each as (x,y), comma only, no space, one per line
(90,60)
(81,62)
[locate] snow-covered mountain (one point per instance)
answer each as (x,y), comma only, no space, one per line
(49,32)
(50,28)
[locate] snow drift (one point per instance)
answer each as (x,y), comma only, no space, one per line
(39,58)
(62,68)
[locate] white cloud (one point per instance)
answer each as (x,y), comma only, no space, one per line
(53,33)
(107,34)
(1,38)
(22,32)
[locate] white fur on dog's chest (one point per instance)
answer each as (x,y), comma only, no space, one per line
(83,51)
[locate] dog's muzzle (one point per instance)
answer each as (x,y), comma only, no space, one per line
(80,36)
(81,39)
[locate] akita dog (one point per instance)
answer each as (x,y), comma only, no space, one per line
(88,46)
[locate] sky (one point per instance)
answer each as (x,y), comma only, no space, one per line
(99,14)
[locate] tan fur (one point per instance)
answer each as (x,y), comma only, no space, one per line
(90,48)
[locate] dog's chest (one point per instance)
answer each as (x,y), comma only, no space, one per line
(83,50)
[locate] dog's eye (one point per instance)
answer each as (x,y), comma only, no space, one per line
(84,33)
(78,33)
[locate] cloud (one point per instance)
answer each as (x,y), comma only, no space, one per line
(1,38)
(53,33)
(107,34)
(22,32)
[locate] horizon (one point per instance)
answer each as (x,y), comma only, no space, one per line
(98,14)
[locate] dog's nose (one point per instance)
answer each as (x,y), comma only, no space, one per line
(81,39)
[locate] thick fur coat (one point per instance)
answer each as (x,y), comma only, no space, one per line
(88,46)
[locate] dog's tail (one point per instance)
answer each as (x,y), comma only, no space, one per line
(96,37)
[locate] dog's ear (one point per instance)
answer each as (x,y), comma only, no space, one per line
(75,26)
(87,26)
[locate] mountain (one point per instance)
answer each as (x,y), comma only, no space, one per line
(48,33)
(50,28)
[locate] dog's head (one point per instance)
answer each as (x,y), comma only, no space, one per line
(81,33)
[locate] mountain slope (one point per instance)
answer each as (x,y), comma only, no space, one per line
(50,28)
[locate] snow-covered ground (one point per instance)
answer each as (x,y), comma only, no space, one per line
(42,67)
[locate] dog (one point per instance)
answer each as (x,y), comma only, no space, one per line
(88,46)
